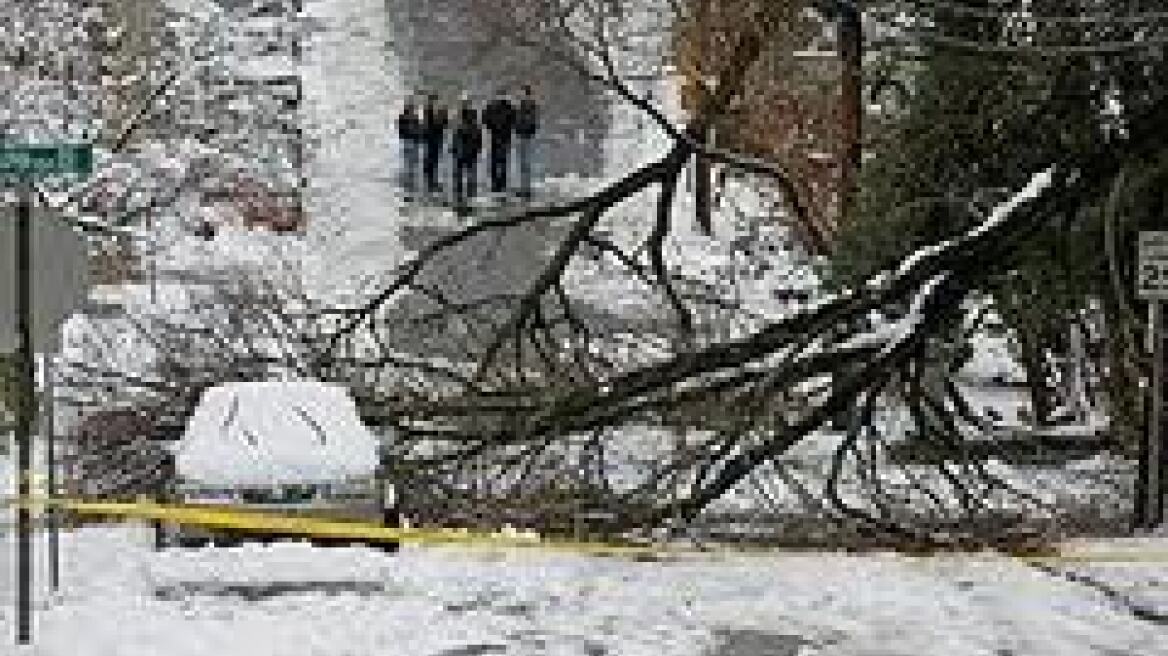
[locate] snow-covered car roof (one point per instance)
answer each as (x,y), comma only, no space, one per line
(267,433)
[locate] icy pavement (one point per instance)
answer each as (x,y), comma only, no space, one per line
(123,599)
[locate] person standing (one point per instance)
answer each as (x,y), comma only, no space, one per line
(526,125)
(465,148)
(409,132)
(499,119)
(434,134)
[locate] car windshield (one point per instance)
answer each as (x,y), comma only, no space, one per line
(280,494)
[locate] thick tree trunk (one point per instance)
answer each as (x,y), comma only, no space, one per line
(1041,404)
(851,47)
(703,190)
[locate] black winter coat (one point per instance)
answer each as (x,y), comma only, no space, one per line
(526,118)
(467,143)
(499,118)
(409,127)
(434,124)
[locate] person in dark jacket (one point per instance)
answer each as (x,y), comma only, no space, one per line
(409,132)
(499,119)
(526,125)
(465,148)
(434,123)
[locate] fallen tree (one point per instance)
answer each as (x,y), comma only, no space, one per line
(541,382)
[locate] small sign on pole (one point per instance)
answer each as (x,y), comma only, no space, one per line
(59,278)
(1152,275)
(30,162)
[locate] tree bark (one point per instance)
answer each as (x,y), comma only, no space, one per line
(851,47)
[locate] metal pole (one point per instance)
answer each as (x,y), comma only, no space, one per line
(153,261)
(1149,492)
(1156,433)
(50,409)
(24,413)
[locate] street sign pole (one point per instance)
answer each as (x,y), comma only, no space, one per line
(24,413)
(23,164)
(50,411)
(1152,286)
(1155,435)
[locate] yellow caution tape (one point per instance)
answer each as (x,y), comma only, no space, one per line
(255,521)
(234,519)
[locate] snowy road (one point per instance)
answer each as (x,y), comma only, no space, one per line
(122,599)
(352,87)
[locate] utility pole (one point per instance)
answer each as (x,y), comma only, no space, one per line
(24,412)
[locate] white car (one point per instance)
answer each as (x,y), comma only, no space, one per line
(292,448)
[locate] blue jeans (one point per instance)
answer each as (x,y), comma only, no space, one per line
(525,149)
(410,152)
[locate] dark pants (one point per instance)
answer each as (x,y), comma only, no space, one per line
(465,180)
(523,149)
(430,164)
(410,165)
(500,154)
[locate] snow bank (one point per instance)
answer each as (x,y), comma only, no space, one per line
(235,248)
(7,476)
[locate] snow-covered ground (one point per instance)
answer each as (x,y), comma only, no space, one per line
(120,598)
(7,479)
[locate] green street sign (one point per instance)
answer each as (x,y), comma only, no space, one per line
(45,161)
